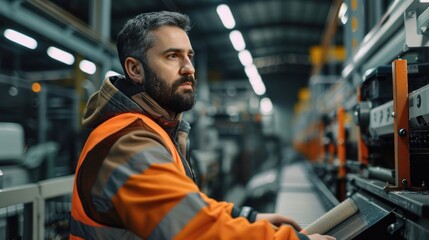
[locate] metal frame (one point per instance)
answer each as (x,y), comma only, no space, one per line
(400,127)
(341,153)
(27,195)
(33,197)
(49,189)
(400,28)
(375,40)
(416,28)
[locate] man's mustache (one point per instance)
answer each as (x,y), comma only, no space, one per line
(185,79)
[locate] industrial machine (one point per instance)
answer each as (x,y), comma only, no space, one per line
(387,181)
(367,134)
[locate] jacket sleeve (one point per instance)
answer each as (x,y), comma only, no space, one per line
(156,200)
(246,212)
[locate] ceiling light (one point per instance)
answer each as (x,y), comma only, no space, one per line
(245,57)
(20,38)
(237,40)
(225,15)
(258,85)
(342,13)
(255,79)
(251,71)
(266,106)
(60,55)
(87,66)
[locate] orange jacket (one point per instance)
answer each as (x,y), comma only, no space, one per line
(147,196)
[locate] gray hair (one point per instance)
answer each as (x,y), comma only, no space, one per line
(136,36)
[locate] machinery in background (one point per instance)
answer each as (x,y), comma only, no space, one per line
(387,179)
(38,147)
(394,136)
(46,113)
(366,134)
(19,165)
(235,166)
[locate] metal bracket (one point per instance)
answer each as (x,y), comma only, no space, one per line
(400,126)
(416,27)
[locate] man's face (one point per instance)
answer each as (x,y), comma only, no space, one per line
(169,76)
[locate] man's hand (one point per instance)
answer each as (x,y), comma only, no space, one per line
(277,220)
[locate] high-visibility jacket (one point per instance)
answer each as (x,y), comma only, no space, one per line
(156,202)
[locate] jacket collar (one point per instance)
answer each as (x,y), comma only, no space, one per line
(148,104)
(155,111)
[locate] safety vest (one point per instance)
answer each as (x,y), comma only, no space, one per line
(81,223)
(192,216)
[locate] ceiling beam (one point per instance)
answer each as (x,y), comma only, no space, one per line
(88,48)
(289,24)
(171,5)
(197,6)
(272,47)
(202,5)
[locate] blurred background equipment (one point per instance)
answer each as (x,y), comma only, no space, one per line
(303,106)
(364,130)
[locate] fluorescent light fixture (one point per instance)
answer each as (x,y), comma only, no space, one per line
(60,55)
(245,58)
(342,13)
(87,66)
(257,85)
(251,71)
(20,38)
(226,16)
(237,40)
(266,106)
(424,1)
(255,79)
(111,73)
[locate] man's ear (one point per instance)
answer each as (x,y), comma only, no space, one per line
(135,70)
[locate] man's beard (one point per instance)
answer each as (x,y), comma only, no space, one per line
(168,97)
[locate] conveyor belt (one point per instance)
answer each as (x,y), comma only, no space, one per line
(305,199)
(299,196)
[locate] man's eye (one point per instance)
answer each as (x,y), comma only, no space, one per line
(173,55)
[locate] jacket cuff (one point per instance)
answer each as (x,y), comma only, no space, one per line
(246,212)
(302,236)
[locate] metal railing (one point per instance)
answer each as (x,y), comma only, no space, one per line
(32,203)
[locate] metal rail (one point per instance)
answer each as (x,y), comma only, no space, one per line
(34,197)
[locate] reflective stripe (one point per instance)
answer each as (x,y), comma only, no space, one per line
(87,232)
(136,165)
(178,217)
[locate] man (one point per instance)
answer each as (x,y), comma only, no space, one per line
(133,179)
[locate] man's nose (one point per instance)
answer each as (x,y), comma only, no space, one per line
(187,68)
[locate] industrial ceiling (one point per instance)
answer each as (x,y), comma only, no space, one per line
(277,33)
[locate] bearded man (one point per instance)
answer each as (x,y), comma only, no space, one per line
(134,179)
